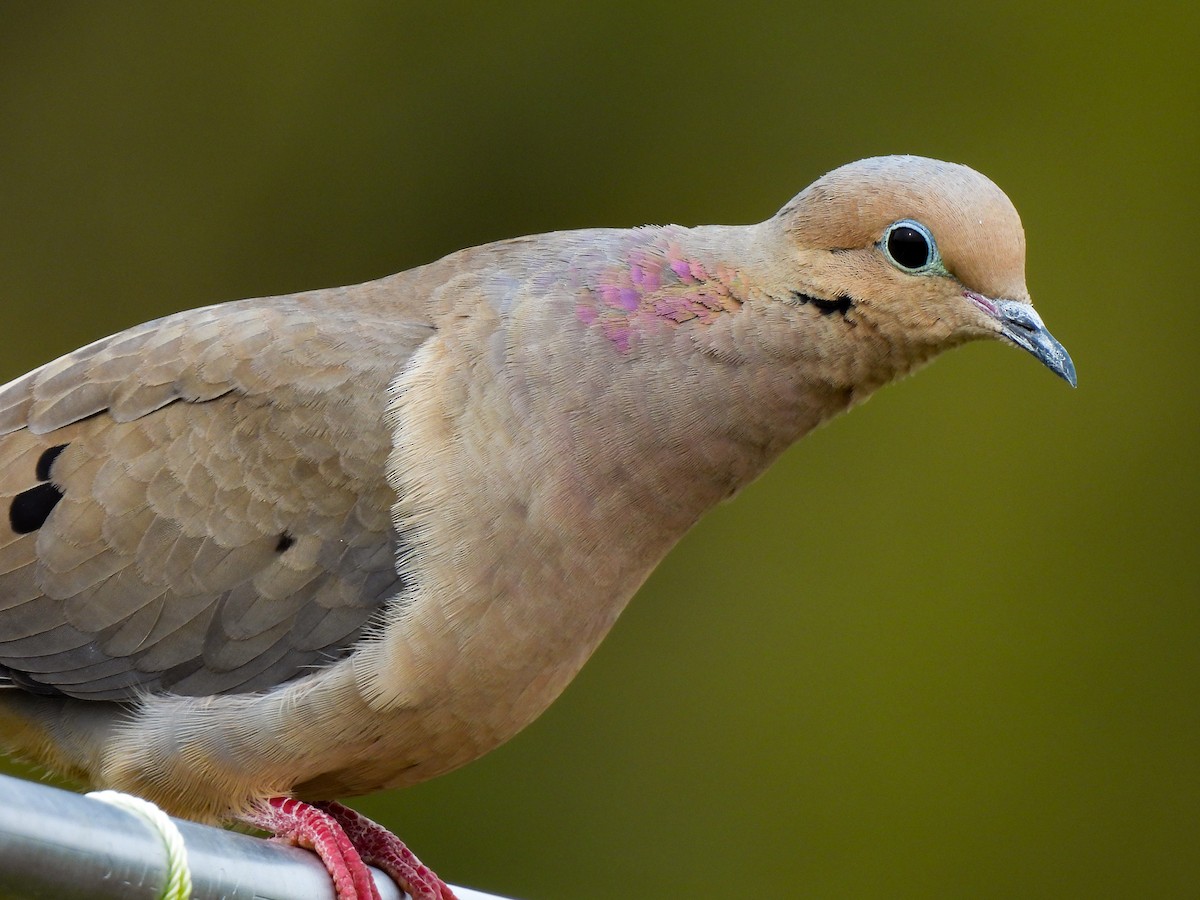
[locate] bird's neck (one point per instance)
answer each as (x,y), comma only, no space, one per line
(695,361)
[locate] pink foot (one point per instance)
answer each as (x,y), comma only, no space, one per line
(380,847)
(347,842)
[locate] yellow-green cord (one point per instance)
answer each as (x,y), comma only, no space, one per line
(179,877)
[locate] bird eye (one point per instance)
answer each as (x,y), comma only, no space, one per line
(909,246)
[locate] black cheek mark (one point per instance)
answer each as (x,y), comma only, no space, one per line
(30,509)
(46,460)
(842,304)
(285,541)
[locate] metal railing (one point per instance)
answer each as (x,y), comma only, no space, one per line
(62,846)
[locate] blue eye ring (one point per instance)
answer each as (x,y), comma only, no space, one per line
(910,247)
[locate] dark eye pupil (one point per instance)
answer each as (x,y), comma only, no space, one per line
(908,247)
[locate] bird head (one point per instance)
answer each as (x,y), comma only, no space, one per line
(927,253)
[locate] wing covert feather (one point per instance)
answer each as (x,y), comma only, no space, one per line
(199,504)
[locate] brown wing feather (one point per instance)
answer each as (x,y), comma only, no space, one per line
(198,504)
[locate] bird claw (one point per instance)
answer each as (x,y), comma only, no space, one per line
(347,842)
(381,848)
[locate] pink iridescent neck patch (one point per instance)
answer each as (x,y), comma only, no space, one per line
(656,284)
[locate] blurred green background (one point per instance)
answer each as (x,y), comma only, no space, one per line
(950,645)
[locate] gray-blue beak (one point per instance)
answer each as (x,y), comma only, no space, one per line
(1020,323)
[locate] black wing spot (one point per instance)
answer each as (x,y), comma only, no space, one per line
(30,509)
(285,541)
(46,460)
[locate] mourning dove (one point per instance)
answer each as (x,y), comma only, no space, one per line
(303,547)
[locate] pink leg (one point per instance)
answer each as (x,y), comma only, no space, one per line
(306,826)
(380,847)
